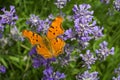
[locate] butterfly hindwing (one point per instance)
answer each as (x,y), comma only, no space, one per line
(43,51)
(57,45)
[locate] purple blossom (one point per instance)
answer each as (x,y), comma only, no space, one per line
(66,58)
(116,78)
(88,58)
(38,60)
(4,41)
(105,1)
(69,34)
(1,27)
(15,34)
(117,71)
(2,69)
(116,4)
(39,25)
(1,35)
(9,17)
(33,20)
(103,52)
(33,51)
(87,76)
(61,3)
(49,74)
(97,32)
(85,27)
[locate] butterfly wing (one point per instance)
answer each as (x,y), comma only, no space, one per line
(33,37)
(58,46)
(43,51)
(55,28)
(39,41)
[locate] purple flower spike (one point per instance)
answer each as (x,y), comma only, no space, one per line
(15,34)
(32,51)
(116,78)
(61,3)
(2,69)
(88,58)
(33,21)
(97,32)
(105,1)
(69,34)
(88,76)
(9,17)
(66,58)
(85,26)
(103,52)
(38,60)
(117,5)
(49,74)
(1,27)
(38,25)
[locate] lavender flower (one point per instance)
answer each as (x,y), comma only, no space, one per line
(1,27)
(3,42)
(1,35)
(117,71)
(39,25)
(38,60)
(33,20)
(9,17)
(1,30)
(49,74)
(97,32)
(33,51)
(85,28)
(69,34)
(2,69)
(103,52)
(105,1)
(116,78)
(61,3)
(88,58)
(87,76)
(15,34)
(116,4)
(65,59)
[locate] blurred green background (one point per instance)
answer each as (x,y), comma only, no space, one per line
(20,68)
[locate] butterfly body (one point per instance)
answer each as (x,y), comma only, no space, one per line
(48,45)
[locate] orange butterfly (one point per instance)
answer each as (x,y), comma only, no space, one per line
(50,45)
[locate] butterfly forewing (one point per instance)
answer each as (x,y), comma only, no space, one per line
(55,28)
(33,37)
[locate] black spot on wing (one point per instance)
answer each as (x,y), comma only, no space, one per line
(53,33)
(52,27)
(50,31)
(36,40)
(33,34)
